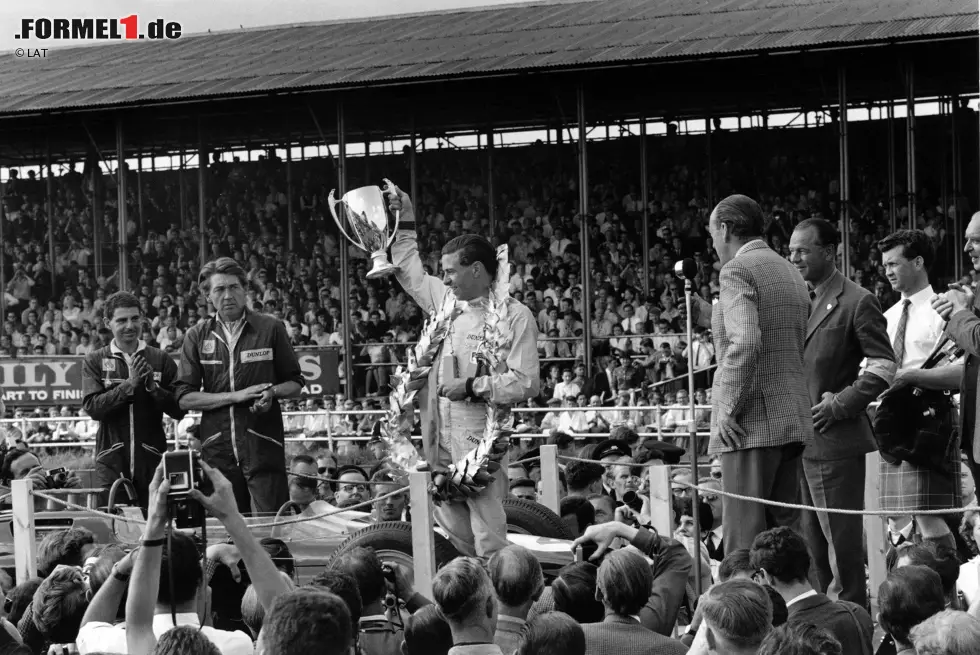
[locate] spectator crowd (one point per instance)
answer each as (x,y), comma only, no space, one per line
(631,592)
(634,593)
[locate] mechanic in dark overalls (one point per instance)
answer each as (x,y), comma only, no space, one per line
(234,368)
(127,387)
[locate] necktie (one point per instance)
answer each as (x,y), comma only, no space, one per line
(813,295)
(898,345)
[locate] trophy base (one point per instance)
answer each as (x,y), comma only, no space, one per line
(382,267)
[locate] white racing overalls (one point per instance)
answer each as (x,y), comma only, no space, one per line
(450,429)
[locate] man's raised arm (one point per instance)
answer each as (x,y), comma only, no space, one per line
(426,290)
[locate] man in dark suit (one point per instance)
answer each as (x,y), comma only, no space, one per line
(761,418)
(623,585)
(846,327)
(602,383)
(782,561)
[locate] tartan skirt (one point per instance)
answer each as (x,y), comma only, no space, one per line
(905,488)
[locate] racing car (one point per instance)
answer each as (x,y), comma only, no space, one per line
(313,542)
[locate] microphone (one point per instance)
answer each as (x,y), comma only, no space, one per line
(686,269)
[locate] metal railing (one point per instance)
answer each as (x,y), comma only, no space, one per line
(330,433)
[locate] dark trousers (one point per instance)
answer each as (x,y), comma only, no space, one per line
(260,493)
(836,541)
(767,473)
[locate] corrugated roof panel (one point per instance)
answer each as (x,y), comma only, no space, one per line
(460,42)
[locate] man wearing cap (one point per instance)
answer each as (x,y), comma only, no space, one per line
(453,402)
(609,452)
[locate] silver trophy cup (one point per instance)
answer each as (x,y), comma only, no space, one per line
(364,210)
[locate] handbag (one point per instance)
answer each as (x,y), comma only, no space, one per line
(917,425)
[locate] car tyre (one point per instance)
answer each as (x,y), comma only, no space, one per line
(528,517)
(395,536)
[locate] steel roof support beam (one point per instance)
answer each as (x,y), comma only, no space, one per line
(121,212)
(892,189)
(202,161)
(845,181)
(49,210)
(491,199)
(645,199)
(139,192)
(290,219)
(709,169)
(344,249)
(910,173)
(583,211)
(957,173)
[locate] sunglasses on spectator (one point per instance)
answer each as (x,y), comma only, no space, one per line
(716,475)
(323,469)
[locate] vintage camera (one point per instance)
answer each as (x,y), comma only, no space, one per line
(56,478)
(182,468)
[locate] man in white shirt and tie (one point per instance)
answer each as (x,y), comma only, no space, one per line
(915,329)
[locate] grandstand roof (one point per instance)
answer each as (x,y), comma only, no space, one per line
(463,44)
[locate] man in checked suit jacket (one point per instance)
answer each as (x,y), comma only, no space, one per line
(846,327)
(761,419)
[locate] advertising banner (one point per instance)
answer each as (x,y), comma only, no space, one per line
(58,380)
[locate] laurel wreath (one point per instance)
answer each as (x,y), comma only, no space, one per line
(474,471)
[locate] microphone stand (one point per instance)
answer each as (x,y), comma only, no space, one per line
(693,439)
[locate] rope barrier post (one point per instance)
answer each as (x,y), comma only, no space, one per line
(330,444)
(661,497)
(874,530)
(25,547)
(423,534)
(549,477)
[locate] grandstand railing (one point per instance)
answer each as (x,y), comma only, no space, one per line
(18,428)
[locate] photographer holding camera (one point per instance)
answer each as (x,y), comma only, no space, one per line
(152,607)
(128,386)
(19,464)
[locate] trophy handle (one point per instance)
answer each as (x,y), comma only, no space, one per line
(394,230)
(333,202)
(390,188)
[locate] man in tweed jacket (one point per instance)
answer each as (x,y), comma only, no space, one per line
(761,418)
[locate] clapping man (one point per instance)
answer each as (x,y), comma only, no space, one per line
(128,387)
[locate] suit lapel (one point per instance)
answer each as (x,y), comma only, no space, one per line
(825,304)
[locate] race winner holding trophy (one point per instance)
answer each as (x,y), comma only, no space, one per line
(453,401)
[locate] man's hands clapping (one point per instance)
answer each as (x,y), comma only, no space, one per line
(140,371)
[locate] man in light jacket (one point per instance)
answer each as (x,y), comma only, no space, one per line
(453,401)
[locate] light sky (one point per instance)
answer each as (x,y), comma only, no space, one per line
(197,16)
